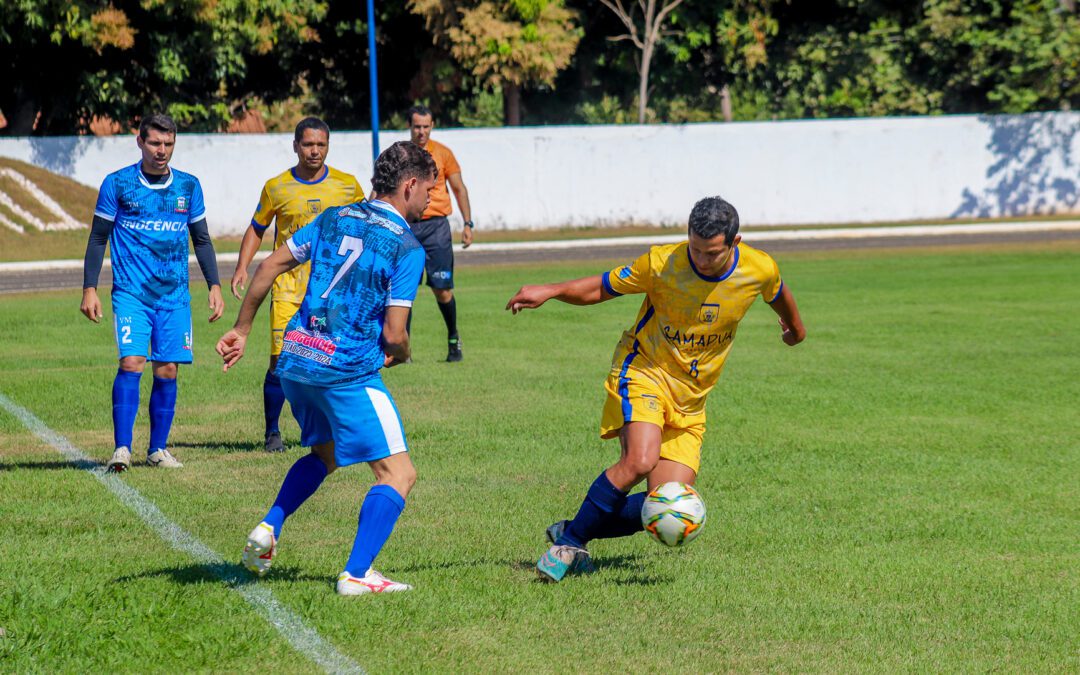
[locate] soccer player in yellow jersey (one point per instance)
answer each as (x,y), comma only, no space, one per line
(291,200)
(696,293)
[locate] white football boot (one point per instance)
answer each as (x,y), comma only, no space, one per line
(260,550)
(163,460)
(372,582)
(120,461)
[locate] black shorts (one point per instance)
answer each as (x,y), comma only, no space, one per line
(434,235)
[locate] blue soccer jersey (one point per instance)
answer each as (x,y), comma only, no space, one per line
(364,258)
(149,240)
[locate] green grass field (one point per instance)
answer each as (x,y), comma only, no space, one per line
(899,493)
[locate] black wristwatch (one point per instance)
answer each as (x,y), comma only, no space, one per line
(468,224)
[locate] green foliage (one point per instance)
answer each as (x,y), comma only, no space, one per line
(483,109)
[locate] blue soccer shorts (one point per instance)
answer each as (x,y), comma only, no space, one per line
(141,330)
(360,417)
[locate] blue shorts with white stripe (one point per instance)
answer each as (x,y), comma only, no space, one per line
(360,417)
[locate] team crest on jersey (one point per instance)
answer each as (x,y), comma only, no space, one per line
(708,313)
(317,323)
(181,204)
(314,205)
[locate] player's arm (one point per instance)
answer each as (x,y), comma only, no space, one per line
(395,336)
(100,230)
(248,247)
(231,345)
(584,291)
(790,321)
(461,194)
(264,215)
(204,253)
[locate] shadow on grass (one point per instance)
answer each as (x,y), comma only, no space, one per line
(233,574)
(220,446)
(50,466)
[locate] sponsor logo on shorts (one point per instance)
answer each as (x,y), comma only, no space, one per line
(187,341)
(442,274)
(625,272)
(651,403)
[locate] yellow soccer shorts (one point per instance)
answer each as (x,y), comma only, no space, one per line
(635,398)
(280,313)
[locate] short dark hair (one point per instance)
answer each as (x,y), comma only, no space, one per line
(422,110)
(310,123)
(400,162)
(712,217)
(158,121)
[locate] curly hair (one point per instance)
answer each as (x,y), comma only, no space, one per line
(400,162)
(712,217)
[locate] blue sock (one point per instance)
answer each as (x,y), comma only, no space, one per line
(626,522)
(125,406)
(273,400)
(303,479)
(602,502)
(162,409)
(379,512)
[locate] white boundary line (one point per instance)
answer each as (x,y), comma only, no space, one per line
(302,637)
(751,235)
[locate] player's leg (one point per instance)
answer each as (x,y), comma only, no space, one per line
(273,395)
(640,452)
(680,457)
(369,429)
(303,479)
(131,320)
(441,279)
(171,342)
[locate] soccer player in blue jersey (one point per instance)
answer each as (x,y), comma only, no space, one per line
(145,212)
(365,270)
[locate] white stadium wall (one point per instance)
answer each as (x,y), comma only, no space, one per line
(800,172)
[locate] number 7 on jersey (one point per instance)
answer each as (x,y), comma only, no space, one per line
(351,247)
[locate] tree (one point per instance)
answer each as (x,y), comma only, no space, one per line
(66,63)
(506,45)
(645,38)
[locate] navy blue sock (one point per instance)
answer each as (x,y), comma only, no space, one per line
(125,406)
(449,315)
(378,514)
(303,479)
(273,400)
(162,409)
(626,522)
(602,502)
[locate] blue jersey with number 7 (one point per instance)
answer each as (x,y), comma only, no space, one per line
(364,258)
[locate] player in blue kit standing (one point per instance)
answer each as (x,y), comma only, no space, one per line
(365,270)
(145,212)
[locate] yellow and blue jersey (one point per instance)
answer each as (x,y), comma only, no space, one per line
(364,258)
(292,203)
(150,232)
(687,321)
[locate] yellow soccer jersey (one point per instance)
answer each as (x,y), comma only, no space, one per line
(295,203)
(687,322)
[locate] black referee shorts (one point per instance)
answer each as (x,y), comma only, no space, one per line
(434,235)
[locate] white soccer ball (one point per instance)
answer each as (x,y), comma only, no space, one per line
(673,514)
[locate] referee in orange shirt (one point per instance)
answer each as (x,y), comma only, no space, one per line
(433,230)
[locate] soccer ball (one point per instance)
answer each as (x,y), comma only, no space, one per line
(673,514)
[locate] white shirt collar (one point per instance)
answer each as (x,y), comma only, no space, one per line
(386,206)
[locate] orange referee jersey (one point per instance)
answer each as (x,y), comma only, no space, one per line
(448,166)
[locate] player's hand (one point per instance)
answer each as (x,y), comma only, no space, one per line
(231,348)
(239,282)
(789,336)
(529,297)
(91,305)
(217,304)
(391,361)
(466,237)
